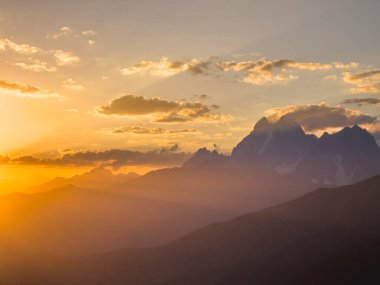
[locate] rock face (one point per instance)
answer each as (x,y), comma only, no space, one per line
(283,142)
(347,156)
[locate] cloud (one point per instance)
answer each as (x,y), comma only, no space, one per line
(32,63)
(114,157)
(139,130)
(65,58)
(89,33)
(138,105)
(20,89)
(73,85)
(321,116)
(165,67)
(363,101)
(69,32)
(201,96)
(264,71)
(363,75)
(36,65)
(364,82)
(165,111)
(25,49)
(64,31)
(149,131)
(257,72)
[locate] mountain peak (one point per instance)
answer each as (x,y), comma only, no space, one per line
(262,125)
(100,170)
(354,132)
(202,156)
(287,124)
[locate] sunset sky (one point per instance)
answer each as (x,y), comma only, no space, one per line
(143,83)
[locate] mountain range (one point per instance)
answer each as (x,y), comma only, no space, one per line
(99,211)
(96,178)
(329,236)
(274,163)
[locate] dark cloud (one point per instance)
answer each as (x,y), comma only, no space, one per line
(172,149)
(19,87)
(322,116)
(202,68)
(138,105)
(363,101)
(172,118)
(182,131)
(201,96)
(164,110)
(362,75)
(149,131)
(113,157)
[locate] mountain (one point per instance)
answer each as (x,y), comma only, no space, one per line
(347,156)
(98,177)
(329,236)
(72,221)
(344,157)
(283,141)
(276,162)
(204,156)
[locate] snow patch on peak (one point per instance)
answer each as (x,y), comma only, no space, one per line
(340,174)
(287,168)
(269,140)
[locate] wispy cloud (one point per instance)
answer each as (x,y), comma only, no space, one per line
(68,32)
(165,67)
(363,101)
(264,71)
(33,55)
(64,31)
(36,65)
(257,72)
(364,82)
(26,49)
(65,58)
(73,85)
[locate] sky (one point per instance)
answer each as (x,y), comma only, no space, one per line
(141,84)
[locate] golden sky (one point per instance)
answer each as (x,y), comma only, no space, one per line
(87,82)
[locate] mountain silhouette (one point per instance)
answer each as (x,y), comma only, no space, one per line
(204,156)
(345,157)
(273,143)
(329,236)
(72,221)
(98,177)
